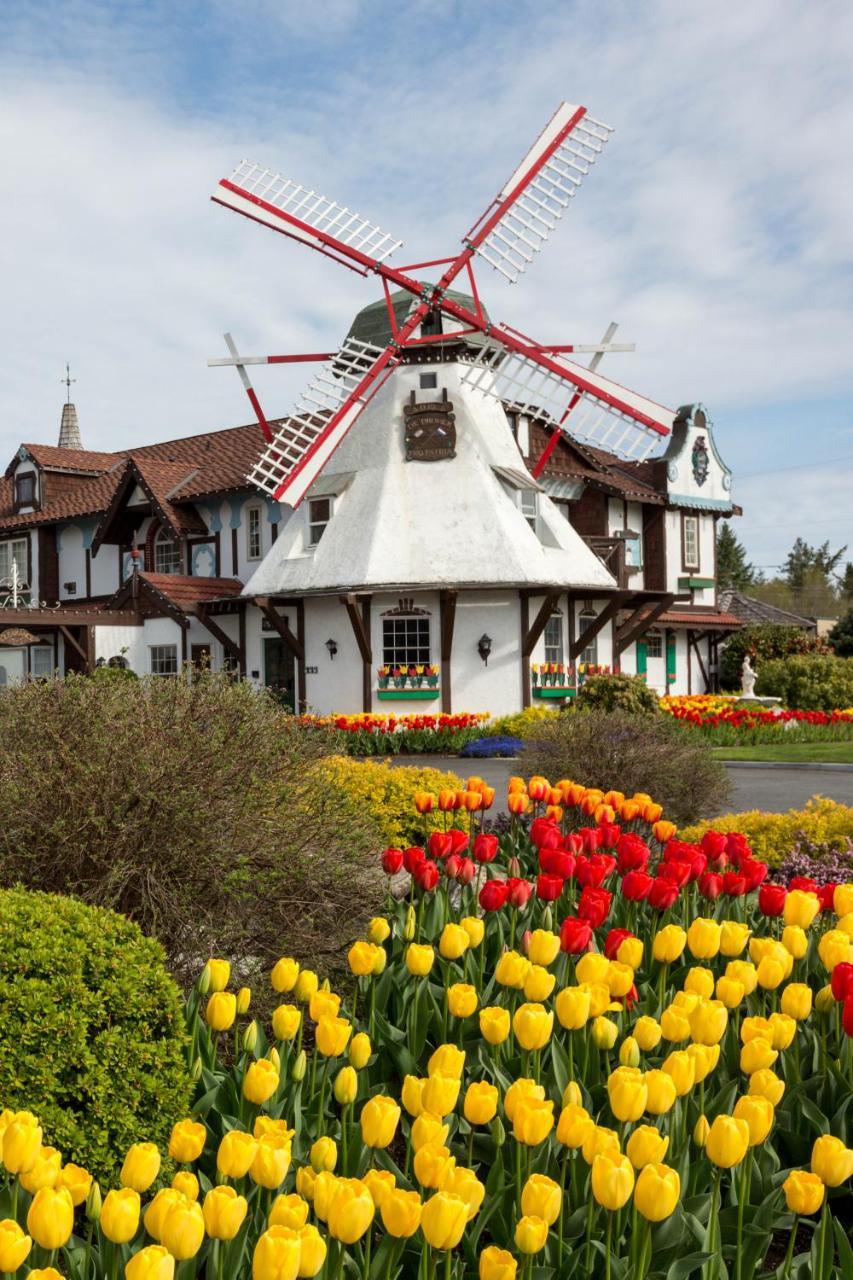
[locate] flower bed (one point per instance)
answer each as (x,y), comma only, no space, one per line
(583,1048)
(366,734)
(725,723)
(773,836)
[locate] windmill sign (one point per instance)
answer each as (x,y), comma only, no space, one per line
(508,365)
(430,430)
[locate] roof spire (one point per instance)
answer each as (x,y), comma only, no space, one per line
(69,427)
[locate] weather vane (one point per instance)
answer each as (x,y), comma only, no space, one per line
(68,380)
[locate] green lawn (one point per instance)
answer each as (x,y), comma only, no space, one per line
(791,752)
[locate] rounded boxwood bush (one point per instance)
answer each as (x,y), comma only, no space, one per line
(93,1037)
(618,693)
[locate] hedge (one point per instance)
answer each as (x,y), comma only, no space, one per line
(387,793)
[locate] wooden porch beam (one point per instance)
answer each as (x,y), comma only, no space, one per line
(639,622)
(587,636)
(534,631)
(75,643)
(279,624)
(693,642)
(447,610)
(362,635)
(231,647)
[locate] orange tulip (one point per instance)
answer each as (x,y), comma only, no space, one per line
(424,801)
(517,802)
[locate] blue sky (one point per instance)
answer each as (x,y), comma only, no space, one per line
(717,229)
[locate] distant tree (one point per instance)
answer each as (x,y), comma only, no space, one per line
(804,562)
(733,568)
(841,636)
(845,585)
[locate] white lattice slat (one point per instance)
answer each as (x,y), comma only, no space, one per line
(599,411)
(317,424)
(553,176)
(315,211)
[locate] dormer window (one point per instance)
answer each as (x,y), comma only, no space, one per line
(167,554)
(528,501)
(25,490)
(319,515)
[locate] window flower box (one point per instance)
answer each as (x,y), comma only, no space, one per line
(416,693)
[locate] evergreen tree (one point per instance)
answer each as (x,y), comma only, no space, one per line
(733,568)
(841,635)
(805,563)
(845,585)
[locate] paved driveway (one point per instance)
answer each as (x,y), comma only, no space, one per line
(753,786)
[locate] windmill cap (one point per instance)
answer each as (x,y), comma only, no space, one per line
(372,324)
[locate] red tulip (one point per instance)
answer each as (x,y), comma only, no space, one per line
(412,858)
(826,894)
(771,899)
(439,844)
(594,906)
(493,895)
(713,844)
(575,936)
(636,886)
(467,870)
(632,853)
(610,833)
(392,861)
(755,872)
(614,941)
(485,847)
(452,865)
(847,1016)
(804,884)
(735,885)
(591,837)
(677,872)
(545,834)
(842,980)
(458,840)
(548,887)
(557,862)
(426,875)
(574,843)
(711,885)
(662,894)
(518,891)
(737,847)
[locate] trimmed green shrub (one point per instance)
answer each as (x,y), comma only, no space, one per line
(841,636)
(763,643)
(192,807)
(618,693)
(93,1036)
(813,682)
(645,753)
(387,793)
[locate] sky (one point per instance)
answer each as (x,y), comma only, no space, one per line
(717,228)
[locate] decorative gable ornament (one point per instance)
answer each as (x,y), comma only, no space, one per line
(430,428)
(699,460)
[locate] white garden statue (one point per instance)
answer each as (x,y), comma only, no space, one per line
(747,679)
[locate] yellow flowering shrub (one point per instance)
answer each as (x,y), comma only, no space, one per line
(773,835)
(520,724)
(387,793)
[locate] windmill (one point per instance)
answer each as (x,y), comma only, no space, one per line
(533,377)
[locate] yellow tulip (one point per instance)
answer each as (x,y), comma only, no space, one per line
(221,1010)
(332,1036)
(380,1116)
(745,973)
(494,1024)
(306,1181)
(287,1211)
(50,1217)
(728,1141)
(630,952)
(729,992)
(538,984)
(475,928)
(682,1070)
(284,974)
(236,1153)
(323,1155)
(531,1234)
(795,941)
(657,1192)
(758,1114)
(481,1103)
(187,1141)
(511,970)
(604,1033)
(182,1229)
(770,973)
(412,1094)
(573,1007)
(592,968)
(541,1197)
(165,1199)
(705,1058)
(620,979)
(668,944)
(543,947)
(21,1142)
(78,1182)
(141,1166)
(244,999)
(533,1121)
(801,908)
(15,1246)
(532,1025)
(307,985)
(186,1183)
(465,1184)
(260,1082)
(324,1004)
(462,999)
(627,1093)
(647,1033)
(360,1050)
(271,1161)
(401,1213)
(703,938)
(572,1095)
(782,1029)
(277,1254)
(419,959)
(661,1092)
(285,1021)
(324,1191)
(574,1126)
(764,1083)
(629,1053)
(152,1263)
(708,1022)
(380,1183)
(446,1060)
(675,1024)
(224,1211)
(804,1192)
(842,899)
(831,1160)
(700,982)
(351,1210)
(362,958)
(519,1090)
(45,1171)
(119,1220)
(345,1087)
(597,1141)
(433,1164)
(646,1145)
(453,942)
(428,1129)
(497,1264)
(312,1251)
(701,1129)
(378,930)
(756,1055)
(733,937)
(834,948)
(612,1180)
(219,974)
(443,1220)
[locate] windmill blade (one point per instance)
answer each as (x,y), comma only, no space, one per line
(602,411)
(527,209)
(305,215)
(329,405)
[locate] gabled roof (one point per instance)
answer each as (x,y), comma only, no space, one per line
(53,458)
(751,612)
(175,595)
(570,458)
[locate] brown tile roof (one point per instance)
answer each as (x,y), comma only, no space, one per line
(54,458)
(186,592)
(570,458)
(753,612)
(90,498)
(698,619)
(163,480)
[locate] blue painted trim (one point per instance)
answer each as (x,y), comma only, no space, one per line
(236,505)
(702,504)
(273,511)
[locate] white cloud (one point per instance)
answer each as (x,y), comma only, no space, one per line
(718,227)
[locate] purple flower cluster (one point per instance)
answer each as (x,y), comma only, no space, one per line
(823,863)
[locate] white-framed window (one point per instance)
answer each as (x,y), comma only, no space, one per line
(163,659)
(15,551)
(690,541)
(405,641)
(554,638)
(528,502)
(654,644)
(254,542)
(167,554)
(585,617)
(319,515)
(41,661)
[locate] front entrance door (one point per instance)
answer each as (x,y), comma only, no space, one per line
(201,657)
(280,671)
(13,666)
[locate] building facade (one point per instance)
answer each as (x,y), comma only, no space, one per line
(434,565)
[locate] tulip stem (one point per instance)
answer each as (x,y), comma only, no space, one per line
(368,1241)
(789,1255)
(561,1218)
(589,1212)
(608,1246)
(741,1206)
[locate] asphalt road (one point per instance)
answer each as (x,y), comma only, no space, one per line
(754,786)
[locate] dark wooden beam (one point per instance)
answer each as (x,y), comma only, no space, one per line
(693,640)
(367,664)
(549,604)
(231,647)
(74,642)
(301,691)
(447,610)
(70,618)
(525,665)
(360,631)
(639,622)
(587,636)
(89,640)
(279,624)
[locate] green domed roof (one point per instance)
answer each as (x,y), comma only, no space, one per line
(372,323)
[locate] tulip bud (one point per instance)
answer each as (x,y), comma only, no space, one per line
(629,1052)
(244,999)
(409,926)
(196,1069)
(345,1086)
(274,1057)
(572,1096)
(498,1132)
(204,980)
(93,1203)
(250,1037)
(700,1131)
(300,1064)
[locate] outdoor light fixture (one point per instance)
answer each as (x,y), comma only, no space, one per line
(332,646)
(484,647)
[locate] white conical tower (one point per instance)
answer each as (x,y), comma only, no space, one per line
(69,428)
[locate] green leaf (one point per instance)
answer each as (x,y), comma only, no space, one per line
(687,1266)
